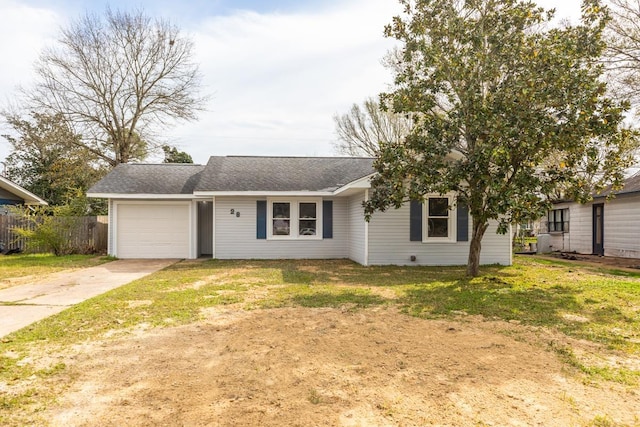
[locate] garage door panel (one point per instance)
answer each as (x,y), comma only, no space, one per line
(153,230)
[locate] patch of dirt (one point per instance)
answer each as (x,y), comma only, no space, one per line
(15,281)
(332,367)
(632,264)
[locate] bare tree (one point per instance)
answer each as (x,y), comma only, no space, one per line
(118,78)
(622,55)
(363,129)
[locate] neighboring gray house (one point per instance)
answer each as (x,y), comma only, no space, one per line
(239,207)
(12,194)
(601,227)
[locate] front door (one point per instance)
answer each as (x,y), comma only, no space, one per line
(598,229)
(205,228)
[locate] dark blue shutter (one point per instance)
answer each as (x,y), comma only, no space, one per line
(462,224)
(415,221)
(327,219)
(261,219)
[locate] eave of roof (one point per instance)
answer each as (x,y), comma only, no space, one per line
(28,197)
(140,196)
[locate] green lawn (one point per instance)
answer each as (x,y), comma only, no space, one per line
(20,265)
(597,305)
(601,306)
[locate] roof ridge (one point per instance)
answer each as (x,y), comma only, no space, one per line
(292,157)
(162,164)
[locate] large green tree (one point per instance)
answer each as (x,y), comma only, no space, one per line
(118,79)
(173,155)
(521,104)
(47,160)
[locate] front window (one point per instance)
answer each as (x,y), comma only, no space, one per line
(439,214)
(558,220)
(438,217)
(281,219)
(295,219)
(307,221)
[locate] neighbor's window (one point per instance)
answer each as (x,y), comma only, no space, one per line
(558,220)
(439,219)
(295,219)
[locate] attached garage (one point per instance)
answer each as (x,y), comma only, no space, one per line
(153,230)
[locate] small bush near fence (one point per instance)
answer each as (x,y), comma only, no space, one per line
(60,235)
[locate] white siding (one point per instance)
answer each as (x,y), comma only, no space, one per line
(621,231)
(389,244)
(235,236)
(561,241)
(357,229)
(580,236)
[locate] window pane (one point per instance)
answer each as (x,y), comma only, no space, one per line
(281,227)
(438,227)
(438,206)
(307,210)
(307,227)
(281,210)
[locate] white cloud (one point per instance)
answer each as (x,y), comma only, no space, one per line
(276,79)
(24,32)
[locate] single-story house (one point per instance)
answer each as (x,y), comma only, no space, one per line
(244,207)
(600,227)
(12,194)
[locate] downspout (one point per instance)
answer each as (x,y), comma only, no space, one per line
(366,232)
(110,227)
(213,228)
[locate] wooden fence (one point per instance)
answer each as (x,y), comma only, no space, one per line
(86,234)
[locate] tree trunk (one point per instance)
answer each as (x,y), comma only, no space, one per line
(473,264)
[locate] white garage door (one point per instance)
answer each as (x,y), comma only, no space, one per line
(152,230)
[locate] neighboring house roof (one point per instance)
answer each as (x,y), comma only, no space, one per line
(631,185)
(28,197)
(235,174)
(249,173)
(165,178)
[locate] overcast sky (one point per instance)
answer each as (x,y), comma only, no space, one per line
(277,71)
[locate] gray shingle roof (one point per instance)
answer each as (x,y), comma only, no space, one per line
(236,173)
(166,178)
(250,173)
(631,185)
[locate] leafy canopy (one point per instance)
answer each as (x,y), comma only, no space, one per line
(523,105)
(48,159)
(173,155)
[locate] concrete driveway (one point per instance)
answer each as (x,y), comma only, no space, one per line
(23,305)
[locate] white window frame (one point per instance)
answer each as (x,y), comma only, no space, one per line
(294,225)
(451,224)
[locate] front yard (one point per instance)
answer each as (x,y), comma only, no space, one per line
(333,343)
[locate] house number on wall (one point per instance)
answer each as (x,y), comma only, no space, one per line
(233,212)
